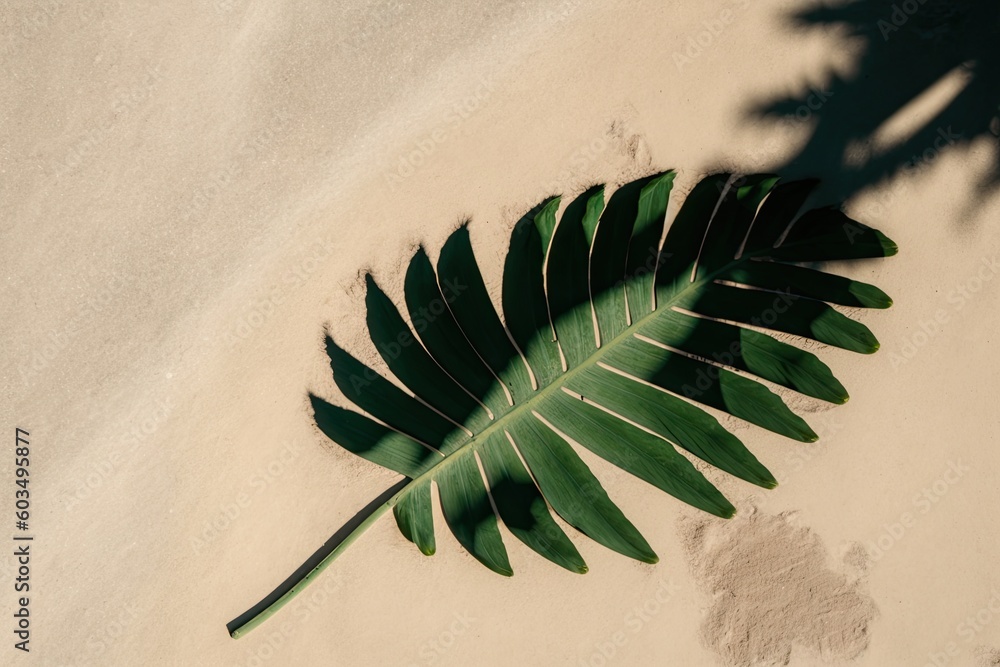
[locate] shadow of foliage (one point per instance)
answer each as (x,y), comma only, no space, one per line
(907,48)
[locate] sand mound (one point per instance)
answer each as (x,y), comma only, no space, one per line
(772,589)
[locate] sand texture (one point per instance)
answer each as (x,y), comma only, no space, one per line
(191,193)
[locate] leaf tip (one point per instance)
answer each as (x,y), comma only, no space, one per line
(889,247)
(870,296)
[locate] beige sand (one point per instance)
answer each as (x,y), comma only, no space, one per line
(188,193)
(772,592)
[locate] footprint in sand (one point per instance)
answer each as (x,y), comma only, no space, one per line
(773,590)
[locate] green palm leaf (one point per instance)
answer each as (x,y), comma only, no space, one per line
(607,340)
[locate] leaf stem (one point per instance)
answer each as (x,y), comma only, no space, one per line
(538,396)
(268,611)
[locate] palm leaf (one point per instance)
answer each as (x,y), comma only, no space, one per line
(609,341)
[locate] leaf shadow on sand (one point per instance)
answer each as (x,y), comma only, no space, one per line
(906,50)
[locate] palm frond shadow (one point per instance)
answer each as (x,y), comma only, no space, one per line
(906,50)
(609,340)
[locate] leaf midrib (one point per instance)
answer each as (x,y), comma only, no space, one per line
(557,385)
(482,436)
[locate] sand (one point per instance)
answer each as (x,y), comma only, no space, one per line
(772,591)
(189,194)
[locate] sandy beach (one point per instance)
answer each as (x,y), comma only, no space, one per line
(190,196)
